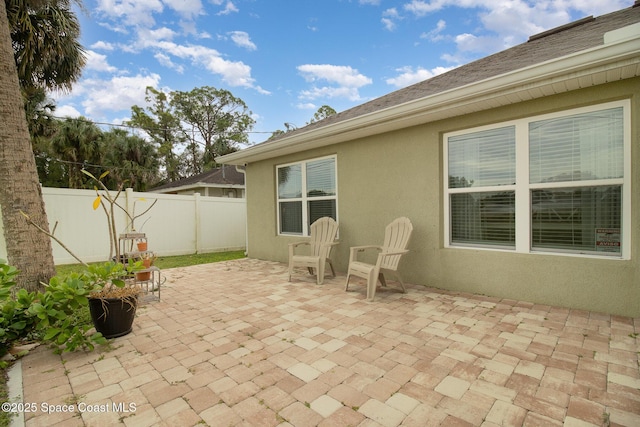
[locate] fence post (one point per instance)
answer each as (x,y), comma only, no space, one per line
(198,226)
(129,206)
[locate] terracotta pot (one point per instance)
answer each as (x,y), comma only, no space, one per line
(142,246)
(141,277)
(144,275)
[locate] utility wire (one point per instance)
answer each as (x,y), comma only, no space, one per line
(129,126)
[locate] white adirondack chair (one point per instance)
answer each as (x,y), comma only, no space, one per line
(323,239)
(396,239)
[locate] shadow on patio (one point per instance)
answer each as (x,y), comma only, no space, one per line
(234,343)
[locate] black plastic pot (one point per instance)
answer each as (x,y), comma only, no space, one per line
(113,317)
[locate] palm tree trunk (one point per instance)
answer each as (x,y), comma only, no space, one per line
(28,249)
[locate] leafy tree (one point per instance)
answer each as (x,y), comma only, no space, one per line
(322,113)
(77,143)
(42,126)
(191,160)
(220,119)
(161,123)
(130,159)
(45,36)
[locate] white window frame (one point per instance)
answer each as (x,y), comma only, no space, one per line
(523,188)
(304,199)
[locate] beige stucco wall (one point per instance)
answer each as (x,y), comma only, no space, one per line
(400,174)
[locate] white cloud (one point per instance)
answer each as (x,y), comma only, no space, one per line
(421,8)
(470,43)
(435,34)
(371,2)
(242,39)
(165,60)
(389,18)
(506,23)
(306,106)
(228,9)
(328,92)
(66,111)
(340,74)
(188,9)
(98,62)
(102,45)
(101,96)
(147,37)
(132,12)
(344,81)
(234,73)
(117,94)
(409,76)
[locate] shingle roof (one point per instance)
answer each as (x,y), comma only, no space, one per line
(225,175)
(561,41)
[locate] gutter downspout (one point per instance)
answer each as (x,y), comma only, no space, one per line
(246,211)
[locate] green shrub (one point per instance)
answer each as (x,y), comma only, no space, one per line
(15,320)
(60,314)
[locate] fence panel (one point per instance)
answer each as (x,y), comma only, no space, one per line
(176,225)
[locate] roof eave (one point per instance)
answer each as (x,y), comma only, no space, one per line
(616,60)
(196,185)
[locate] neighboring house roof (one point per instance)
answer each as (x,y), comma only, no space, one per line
(583,53)
(225,176)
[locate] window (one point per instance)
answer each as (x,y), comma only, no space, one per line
(555,183)
(307,191)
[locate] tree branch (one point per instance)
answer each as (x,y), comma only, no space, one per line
(53,237)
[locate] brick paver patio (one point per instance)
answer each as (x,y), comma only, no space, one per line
(236,344)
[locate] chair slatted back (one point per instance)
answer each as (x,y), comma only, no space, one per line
(323,231)
(396,237)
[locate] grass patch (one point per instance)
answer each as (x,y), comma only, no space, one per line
(163,262)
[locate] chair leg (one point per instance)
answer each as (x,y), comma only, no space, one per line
(333,272)
(346,284)
(404,290)
(382,280)
(371,286)
(320,270)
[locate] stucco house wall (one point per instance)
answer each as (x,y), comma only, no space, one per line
(400,173)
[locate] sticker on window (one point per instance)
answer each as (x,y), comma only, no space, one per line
(607,240)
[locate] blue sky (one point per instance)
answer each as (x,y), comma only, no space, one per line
(285,59)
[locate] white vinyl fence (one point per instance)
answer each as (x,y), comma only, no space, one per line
(176,225)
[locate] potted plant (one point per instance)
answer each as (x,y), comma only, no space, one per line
(108,288)
(147,260)
(112,302)
(72,312)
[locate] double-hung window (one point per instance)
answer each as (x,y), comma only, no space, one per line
(307,191)
(554,183)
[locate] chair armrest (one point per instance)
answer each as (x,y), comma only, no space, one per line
(362,248)
(353,251)
(398,252)
(294,245)
(383,255)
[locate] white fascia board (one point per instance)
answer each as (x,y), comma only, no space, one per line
(478,96)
